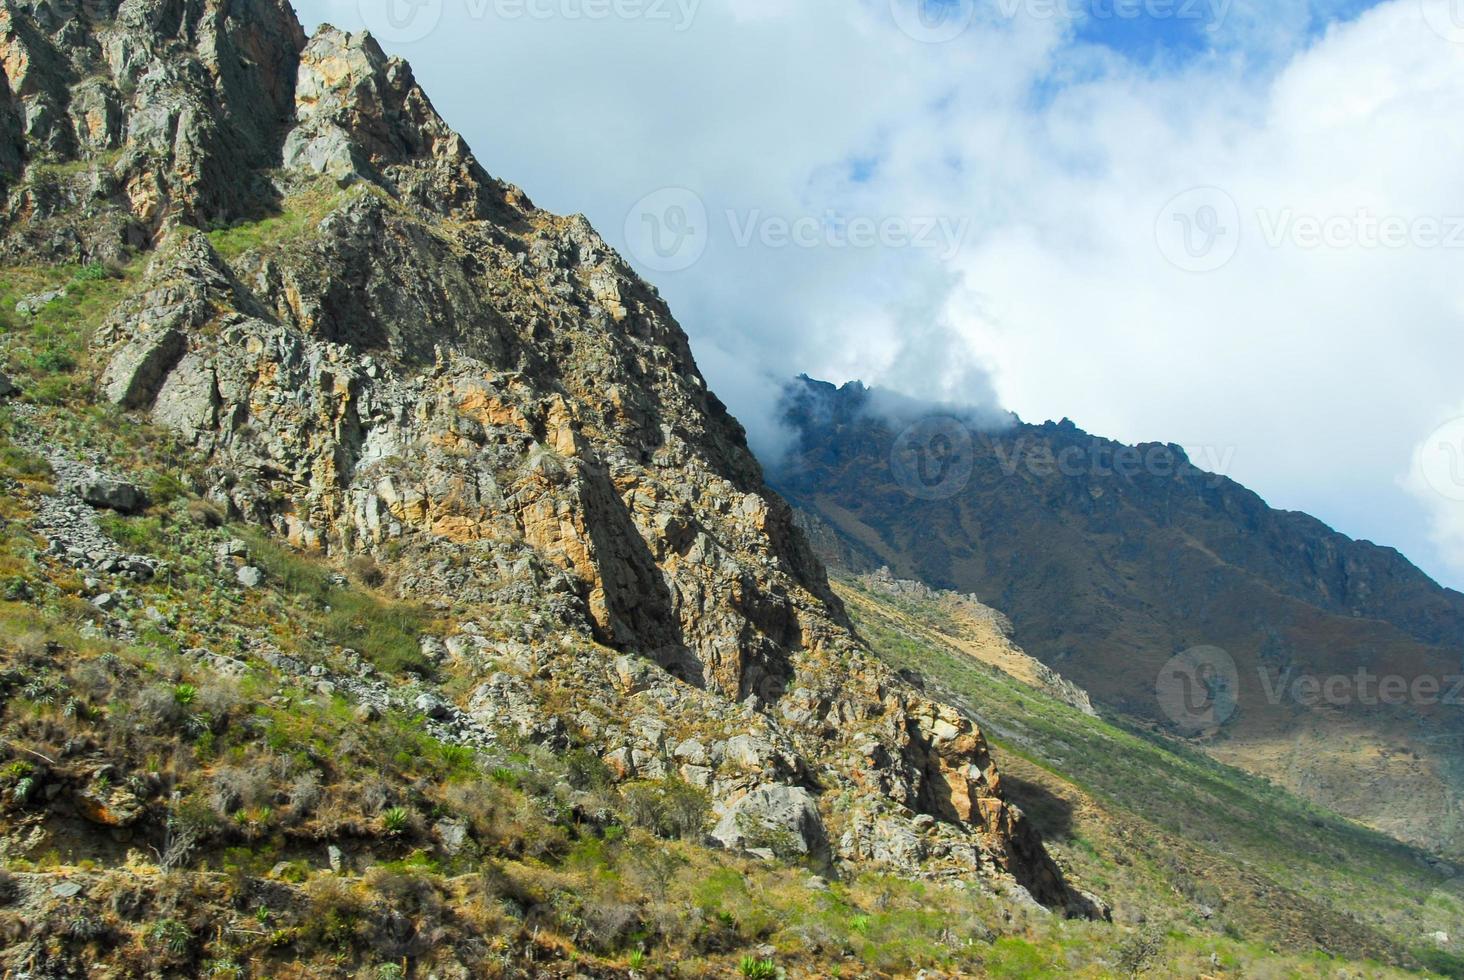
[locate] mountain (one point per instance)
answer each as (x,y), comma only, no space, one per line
(1332,664)
(384,594)
(349,495)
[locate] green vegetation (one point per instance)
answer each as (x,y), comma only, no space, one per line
(47,347)
(385,632)
(1241,854)
(299,214)
(755,969)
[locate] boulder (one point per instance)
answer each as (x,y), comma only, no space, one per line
(431,706)
(8,388)
(250,577)
(451,834)
(109,806)
(34,303)
(108,494)
(137,371)
(783,819)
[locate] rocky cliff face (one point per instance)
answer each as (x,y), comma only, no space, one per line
(375,348)
(1111,560)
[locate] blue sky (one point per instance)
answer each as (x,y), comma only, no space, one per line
(1114,219)
(1166,34)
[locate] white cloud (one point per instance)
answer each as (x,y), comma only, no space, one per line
(1436,479)
(1318,367)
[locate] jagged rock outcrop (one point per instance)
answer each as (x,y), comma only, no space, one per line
(982,633)
(486,398)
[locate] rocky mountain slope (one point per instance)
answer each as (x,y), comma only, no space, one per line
(258,283)
(1112,560)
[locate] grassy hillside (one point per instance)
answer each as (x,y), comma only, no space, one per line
(1171,836)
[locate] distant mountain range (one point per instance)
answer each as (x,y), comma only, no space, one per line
(1174,595)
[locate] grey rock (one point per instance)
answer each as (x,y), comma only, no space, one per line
(506,698)
(106,601)
(118,495)
(432,706)
(137,371)
(35,302)
(620,763)
(698,776)
(233,548)
(692,752)
(451,834)
(784,819)
(8,388)
(188,401)
(250,577)
(327,150)
(335,858)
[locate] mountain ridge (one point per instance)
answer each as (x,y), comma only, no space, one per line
(1109,575)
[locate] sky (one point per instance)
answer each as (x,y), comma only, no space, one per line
(1235,225)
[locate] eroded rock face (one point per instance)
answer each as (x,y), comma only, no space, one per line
(783,820)
(486,398)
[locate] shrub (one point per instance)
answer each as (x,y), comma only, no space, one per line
(55,361)
(395,819)
(171,936)
(336,911)
(206,513)
(363,568)
(305,794)
(165,488)
(24,465)
(608,924)
(156,709)
(587,771)
(406,890)
(756,969)
(1138,951)
(232,789)
(672,808)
